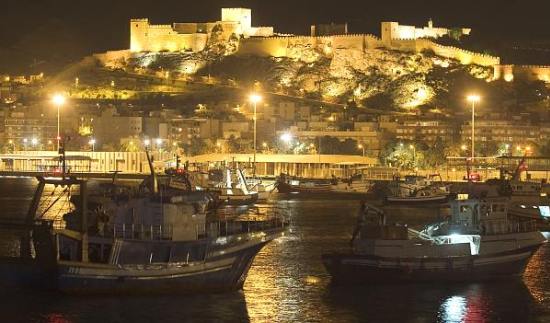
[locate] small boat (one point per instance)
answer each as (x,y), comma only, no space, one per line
(154,239)
(355,185)
(479,242)
(417,190)
(262,186)
(288,184)
(230,184)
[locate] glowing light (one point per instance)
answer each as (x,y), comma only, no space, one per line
(147,142)
(463,147)
(255,98)
(360,146)
(58,99)
(264,144)
(286,137)
(92,141)
(34,141)
(474,98)
(509,77)
(158,141)
(453,309)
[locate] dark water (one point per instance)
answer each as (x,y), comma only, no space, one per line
(287,283)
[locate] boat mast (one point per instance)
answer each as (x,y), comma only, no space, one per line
(152,169)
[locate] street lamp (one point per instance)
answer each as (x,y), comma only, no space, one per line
(473,99)
(254,98)
(158,142)
(92,143)
(286,137)
(58,99)
(360,146)
(34,141)
(414,154)
(147,142)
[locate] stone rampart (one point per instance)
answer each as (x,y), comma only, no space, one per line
(525,72)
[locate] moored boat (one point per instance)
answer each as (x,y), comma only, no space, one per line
(153,239)
(478,242)
(287,184)
(417,190)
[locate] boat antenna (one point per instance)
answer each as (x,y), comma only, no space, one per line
(152,169)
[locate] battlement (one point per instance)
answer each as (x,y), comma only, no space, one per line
(526,72)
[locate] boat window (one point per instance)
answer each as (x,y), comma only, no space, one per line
(464,208)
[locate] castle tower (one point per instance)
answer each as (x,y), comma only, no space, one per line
(240,15)
(390,30)
(139,29)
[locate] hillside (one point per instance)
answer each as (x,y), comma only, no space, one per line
(377,78)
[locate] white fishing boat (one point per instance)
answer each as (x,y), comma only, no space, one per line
(479,242)
(417,190)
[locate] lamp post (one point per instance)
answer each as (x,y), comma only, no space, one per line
(255,98)
(146,142)
(158,141)
(414,155)
(360,146)
(58,100)
(473,99)
(92,143)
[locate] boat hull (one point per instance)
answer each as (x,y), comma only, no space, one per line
(287,188)
(223,270)
(350,268)
(417,200)
(237,200)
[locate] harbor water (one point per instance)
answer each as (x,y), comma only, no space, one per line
(288,283)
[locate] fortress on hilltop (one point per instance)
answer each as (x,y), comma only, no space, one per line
(236,25)
(393,30)
(194,36)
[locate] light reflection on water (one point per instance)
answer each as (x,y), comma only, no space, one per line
(287,283)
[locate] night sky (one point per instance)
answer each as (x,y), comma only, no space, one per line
(68,29)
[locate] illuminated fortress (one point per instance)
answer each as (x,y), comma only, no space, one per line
(235,22)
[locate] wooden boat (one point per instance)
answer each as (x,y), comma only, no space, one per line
(478,242)
(286,184)
(417,190)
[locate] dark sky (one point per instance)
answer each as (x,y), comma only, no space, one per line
(79,26)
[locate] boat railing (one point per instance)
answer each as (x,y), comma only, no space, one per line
(137,231)
(256,219)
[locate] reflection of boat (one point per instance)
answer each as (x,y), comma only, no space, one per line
(417,189)
(155,239)
(288,184)
(478,242)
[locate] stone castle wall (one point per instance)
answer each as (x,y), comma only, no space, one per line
(283,46)
(156,38)
(526,72)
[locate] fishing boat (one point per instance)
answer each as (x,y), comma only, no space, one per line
(354,185)
(289,184)
(479,242)
(229,183)
(149,240)
(417,190)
